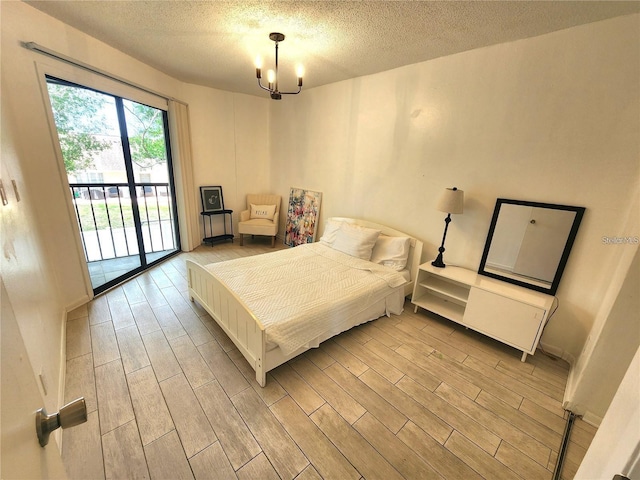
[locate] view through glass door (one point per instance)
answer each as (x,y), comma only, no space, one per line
(116,154)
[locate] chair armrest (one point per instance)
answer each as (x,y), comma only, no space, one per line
(245,215)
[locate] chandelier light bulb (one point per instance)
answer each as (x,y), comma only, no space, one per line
(258,63)
(300,74)
(271,76)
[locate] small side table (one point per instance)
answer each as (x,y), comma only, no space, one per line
(211,238)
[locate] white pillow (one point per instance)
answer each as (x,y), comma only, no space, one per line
(355,240)
(263,211)
(391,252)
(330,232)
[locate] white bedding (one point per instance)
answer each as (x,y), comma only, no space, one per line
(300,294)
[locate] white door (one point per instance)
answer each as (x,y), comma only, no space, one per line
(22,456)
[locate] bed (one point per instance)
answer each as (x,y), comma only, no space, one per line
(277,305)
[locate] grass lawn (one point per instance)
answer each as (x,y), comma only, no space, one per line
(119,215)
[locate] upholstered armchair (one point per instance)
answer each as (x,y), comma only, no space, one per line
(261,217)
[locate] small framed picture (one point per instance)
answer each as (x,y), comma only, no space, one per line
(211,199)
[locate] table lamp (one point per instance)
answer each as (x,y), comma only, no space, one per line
(450,202)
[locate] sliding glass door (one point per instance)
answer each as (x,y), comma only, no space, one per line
(117,158)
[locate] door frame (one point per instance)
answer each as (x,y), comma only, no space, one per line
(100,82)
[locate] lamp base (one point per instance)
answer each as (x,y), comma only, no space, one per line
(438,262)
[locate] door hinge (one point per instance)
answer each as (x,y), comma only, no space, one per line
(3,195)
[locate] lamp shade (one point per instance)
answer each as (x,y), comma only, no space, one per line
(451,201)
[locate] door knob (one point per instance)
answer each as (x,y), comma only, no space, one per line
(72,414)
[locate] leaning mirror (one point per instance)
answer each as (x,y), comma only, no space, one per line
(529,243)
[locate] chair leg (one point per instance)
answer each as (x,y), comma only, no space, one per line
(241,242)
(273,242)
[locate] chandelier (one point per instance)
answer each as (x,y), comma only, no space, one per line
(272,75)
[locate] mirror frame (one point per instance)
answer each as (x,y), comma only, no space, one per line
(565,253)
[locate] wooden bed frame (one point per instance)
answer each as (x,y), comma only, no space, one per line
(244,329)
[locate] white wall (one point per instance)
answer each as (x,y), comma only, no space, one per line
(230,142)
(612,342)
(551,119)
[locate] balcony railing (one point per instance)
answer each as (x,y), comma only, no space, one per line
(105,215)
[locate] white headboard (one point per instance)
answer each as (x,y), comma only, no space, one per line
(415,252)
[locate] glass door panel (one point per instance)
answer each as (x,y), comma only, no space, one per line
(116,156)
(152,178)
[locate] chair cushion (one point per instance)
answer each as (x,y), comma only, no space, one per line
(258,226)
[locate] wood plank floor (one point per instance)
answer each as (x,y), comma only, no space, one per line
(412,396)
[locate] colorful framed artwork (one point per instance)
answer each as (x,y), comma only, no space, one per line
(302,217)
(211,199)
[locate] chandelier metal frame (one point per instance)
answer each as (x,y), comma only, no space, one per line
(272,87)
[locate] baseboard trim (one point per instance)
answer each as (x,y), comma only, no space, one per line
(559,352)
(77,303)
(592,419)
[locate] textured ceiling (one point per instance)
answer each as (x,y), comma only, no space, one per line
(214,43)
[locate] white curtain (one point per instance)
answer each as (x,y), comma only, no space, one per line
(180,134)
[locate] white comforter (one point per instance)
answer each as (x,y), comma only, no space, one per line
(301,293)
